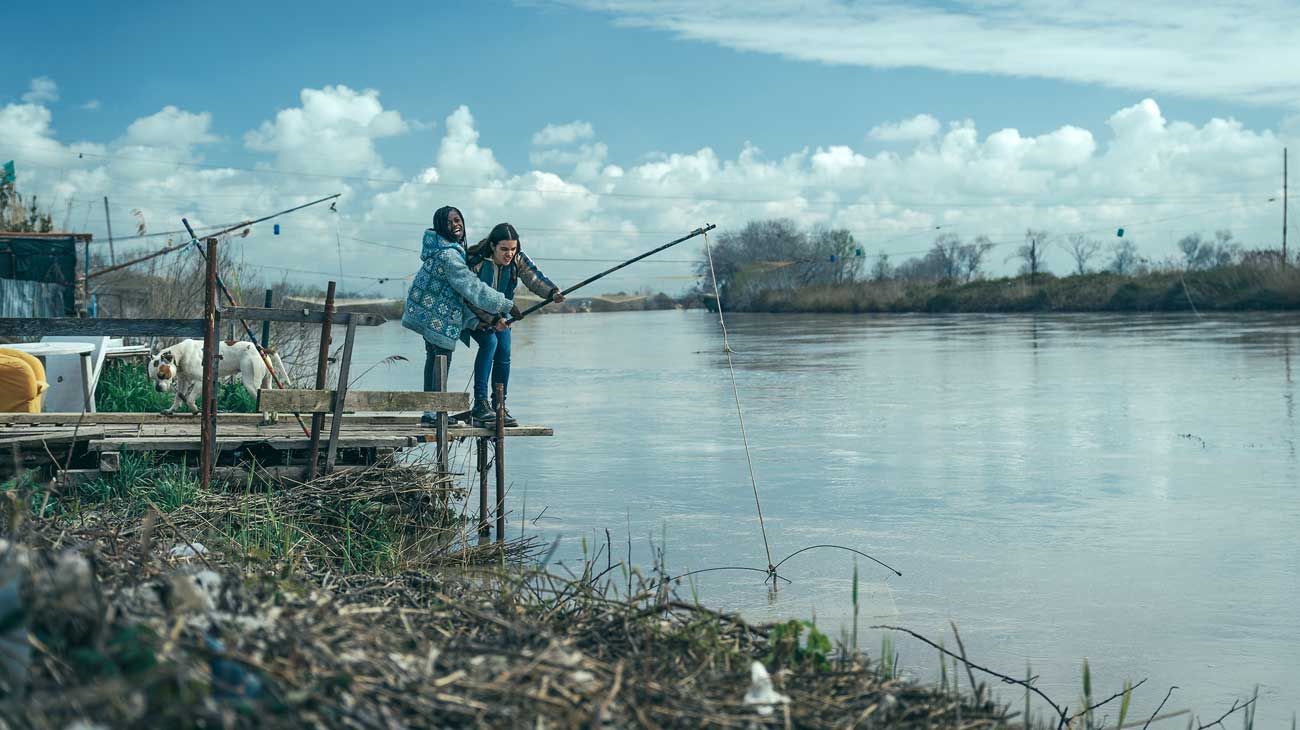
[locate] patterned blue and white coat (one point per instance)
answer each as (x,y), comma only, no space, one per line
(443,290)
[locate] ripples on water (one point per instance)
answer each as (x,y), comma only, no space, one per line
(1111,487)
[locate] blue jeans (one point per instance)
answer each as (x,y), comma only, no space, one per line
(492,361)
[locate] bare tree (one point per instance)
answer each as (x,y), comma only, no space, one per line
(1032,253)
(775,255)
(972,257)
(1200,253)
(1081,248)
(19,215)
(1124,258)
(946,257)
(833,257)
(882,269)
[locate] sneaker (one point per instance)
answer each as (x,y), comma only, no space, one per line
(482,414)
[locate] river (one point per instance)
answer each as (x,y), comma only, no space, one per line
(1120,488)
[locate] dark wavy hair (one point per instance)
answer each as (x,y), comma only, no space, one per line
(500,232)
(442,223)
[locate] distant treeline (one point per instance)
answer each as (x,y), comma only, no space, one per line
(772,266)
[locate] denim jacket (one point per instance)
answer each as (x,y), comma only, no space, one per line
(505,279)
(443,291)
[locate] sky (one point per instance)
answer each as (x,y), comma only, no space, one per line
(603,128)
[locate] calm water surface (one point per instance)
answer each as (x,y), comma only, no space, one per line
(1124,489)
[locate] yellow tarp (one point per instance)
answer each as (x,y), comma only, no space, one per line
(22,382)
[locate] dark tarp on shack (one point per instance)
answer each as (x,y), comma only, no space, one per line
(38,274)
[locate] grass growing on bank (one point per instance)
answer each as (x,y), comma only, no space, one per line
(125,387)
(1230,288)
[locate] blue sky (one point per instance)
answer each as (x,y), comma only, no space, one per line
(657,84)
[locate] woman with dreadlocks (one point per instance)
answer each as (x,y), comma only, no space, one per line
(500,263)
(438,304)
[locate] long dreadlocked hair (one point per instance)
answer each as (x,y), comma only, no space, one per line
(500,232)
(442,223)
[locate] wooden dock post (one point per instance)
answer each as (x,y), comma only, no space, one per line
(266,325)
(340,396)
(211,355)
(444,463)
(484,526)
(322,369)
(501,462)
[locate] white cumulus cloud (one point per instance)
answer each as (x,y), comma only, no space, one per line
(921,126)
(1159,178)
(42,90)
(562,134)
(332,132)
(171,127)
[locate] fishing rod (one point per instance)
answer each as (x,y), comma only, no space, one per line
(606,272)
(194,238)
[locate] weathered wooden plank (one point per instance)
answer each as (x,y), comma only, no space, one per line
(191,443)
(103,419)
(51,437)
(305,316)
(462,432)
(321,401)
(76,477)
(37,327)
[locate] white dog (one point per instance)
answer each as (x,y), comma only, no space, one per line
(179,369)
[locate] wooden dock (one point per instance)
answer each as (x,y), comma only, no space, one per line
(357,428)
(83,446)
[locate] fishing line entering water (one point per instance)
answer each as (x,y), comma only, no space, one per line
(740,415)
(744,436)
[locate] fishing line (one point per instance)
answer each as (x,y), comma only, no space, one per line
(740,416)
(753,480)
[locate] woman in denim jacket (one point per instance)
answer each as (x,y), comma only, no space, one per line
(500,263)
(441,294)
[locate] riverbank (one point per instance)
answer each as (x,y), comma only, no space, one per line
(1231,288)
(142,602)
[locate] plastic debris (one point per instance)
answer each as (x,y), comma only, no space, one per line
(230,680)
(761,694)
(187,550)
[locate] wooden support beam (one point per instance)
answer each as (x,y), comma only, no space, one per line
(444,464)
(322,401)
(39,327)
(501,462)
(322,368)
(211,356)
(303,316)
(340,396)
(484,528)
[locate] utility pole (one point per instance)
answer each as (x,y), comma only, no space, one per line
(1284,206)
(112,258)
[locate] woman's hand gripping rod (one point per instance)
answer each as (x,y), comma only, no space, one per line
(584,282)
